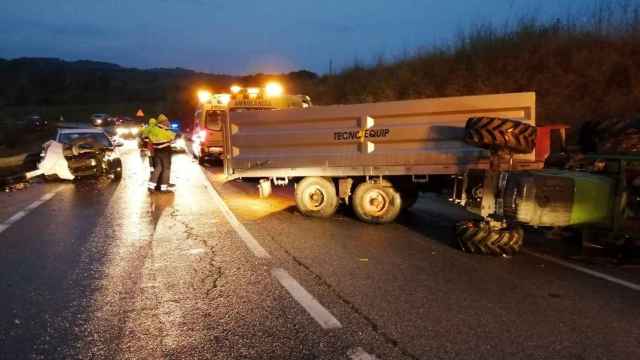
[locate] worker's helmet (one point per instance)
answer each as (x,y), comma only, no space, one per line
(163,120)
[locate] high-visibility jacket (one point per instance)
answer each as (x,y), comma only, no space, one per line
(158,135)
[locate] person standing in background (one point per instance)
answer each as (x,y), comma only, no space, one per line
(160,137)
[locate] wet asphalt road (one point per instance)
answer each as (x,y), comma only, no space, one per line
(104,270)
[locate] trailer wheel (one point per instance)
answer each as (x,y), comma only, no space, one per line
(316,197)
(478,237)
(376,202)
(497,134)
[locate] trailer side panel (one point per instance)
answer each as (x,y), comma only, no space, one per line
(400,137)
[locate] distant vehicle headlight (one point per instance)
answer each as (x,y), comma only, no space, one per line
(180,143)
(98,121)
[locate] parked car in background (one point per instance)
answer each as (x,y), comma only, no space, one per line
(36,122)
(128,128)
(101,119)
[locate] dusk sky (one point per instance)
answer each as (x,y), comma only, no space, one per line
(242,37)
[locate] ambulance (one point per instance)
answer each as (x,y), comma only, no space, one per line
(213,109)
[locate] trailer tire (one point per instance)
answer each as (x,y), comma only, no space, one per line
(376,202)
(478,237)
(500,134)
(316,197)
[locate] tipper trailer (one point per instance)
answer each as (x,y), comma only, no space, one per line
(480,150)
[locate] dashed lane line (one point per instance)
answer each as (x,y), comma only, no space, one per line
(299,293)
(584,270)
(245,235)
(318,312)
(22,213)
(359,354)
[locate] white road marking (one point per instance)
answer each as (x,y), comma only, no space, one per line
(245,235)
(306,300)
(582,269)
(22,213)
(359,354)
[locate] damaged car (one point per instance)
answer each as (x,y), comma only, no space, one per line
(79,153)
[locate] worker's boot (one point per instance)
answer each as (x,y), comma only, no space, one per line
(167,188)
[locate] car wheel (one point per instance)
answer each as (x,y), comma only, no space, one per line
(117,169)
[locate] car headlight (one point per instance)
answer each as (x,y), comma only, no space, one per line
(180,143)
(121,131)
(135,131)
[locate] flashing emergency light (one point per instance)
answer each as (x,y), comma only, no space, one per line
(224,99)
(274,89)
(253,92)
(204,96)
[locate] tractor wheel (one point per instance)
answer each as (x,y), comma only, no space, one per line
(498,134)
(316,197)
(478,237)
(615,127)
(617,136)
(376,202)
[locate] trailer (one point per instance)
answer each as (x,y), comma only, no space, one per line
(377,157)
(415,138)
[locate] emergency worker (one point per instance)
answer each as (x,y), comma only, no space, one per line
(160,136)
(145,144)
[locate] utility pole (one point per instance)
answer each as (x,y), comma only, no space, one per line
(330,66)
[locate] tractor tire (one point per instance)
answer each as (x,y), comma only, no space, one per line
(376,202)
(316,197)
(479,238)
(617,136)
(615,127)
(500,134)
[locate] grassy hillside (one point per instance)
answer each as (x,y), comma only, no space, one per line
(580,71)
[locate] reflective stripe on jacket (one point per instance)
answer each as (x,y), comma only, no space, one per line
(158,135)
